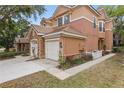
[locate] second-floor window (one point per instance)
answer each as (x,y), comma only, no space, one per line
(66,19)
(63,20)
(60,21)
(101,26)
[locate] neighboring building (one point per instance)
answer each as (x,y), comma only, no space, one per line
(70,30)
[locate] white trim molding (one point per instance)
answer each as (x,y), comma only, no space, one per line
(65,33)
(82,17)
(63,18)
(55,39)
(40,34)
(102,25)
(93,9)
(108,29)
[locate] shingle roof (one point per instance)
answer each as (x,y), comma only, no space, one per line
(67,28)
(41,30)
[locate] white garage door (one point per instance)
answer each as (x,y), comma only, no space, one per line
(52,49)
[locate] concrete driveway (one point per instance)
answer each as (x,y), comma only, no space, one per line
(17,67)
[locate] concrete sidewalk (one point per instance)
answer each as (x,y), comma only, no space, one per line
(60,74)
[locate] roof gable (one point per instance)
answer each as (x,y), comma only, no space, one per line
(60,9)
(103,13)
(63,8)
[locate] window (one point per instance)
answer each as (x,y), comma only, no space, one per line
(94,22)
(60,21)
(66,19)
(101,26)
(63,20)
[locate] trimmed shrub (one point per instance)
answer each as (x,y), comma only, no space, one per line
(118,49)
(1,46)
(86,57)
(105,53)
(7,55)
(65,65)
(61,58)
(78,61)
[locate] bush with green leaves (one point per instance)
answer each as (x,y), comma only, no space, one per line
(118,49)
(5,55)
(78,61)
(62,59)
(1,46)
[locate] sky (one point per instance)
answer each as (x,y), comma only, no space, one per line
(48,13)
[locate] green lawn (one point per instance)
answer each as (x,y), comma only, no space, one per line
(106,74)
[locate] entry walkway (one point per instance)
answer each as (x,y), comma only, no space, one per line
(60,74)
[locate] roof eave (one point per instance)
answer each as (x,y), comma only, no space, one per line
(65,33)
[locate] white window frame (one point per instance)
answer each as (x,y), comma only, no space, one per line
(63,19)
(102,25)
(57,20)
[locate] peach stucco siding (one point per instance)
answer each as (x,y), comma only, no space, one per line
(86,27)
(83,12)
(93,34)
(60,10)
(109,39)
(82,20)
(87,39)
(71,46)
(109,34)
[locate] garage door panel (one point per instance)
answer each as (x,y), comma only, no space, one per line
(52,49)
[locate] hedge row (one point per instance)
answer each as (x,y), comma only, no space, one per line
(4,55)
(118,49)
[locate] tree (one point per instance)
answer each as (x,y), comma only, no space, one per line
(13,21)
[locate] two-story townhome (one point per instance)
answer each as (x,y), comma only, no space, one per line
(71,29)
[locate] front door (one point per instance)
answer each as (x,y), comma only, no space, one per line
(100,44)
(34,48)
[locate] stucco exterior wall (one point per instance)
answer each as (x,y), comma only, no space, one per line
(83,12)
(109,35)
(60,10)
(71,46)
(86,27)
(93,34)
